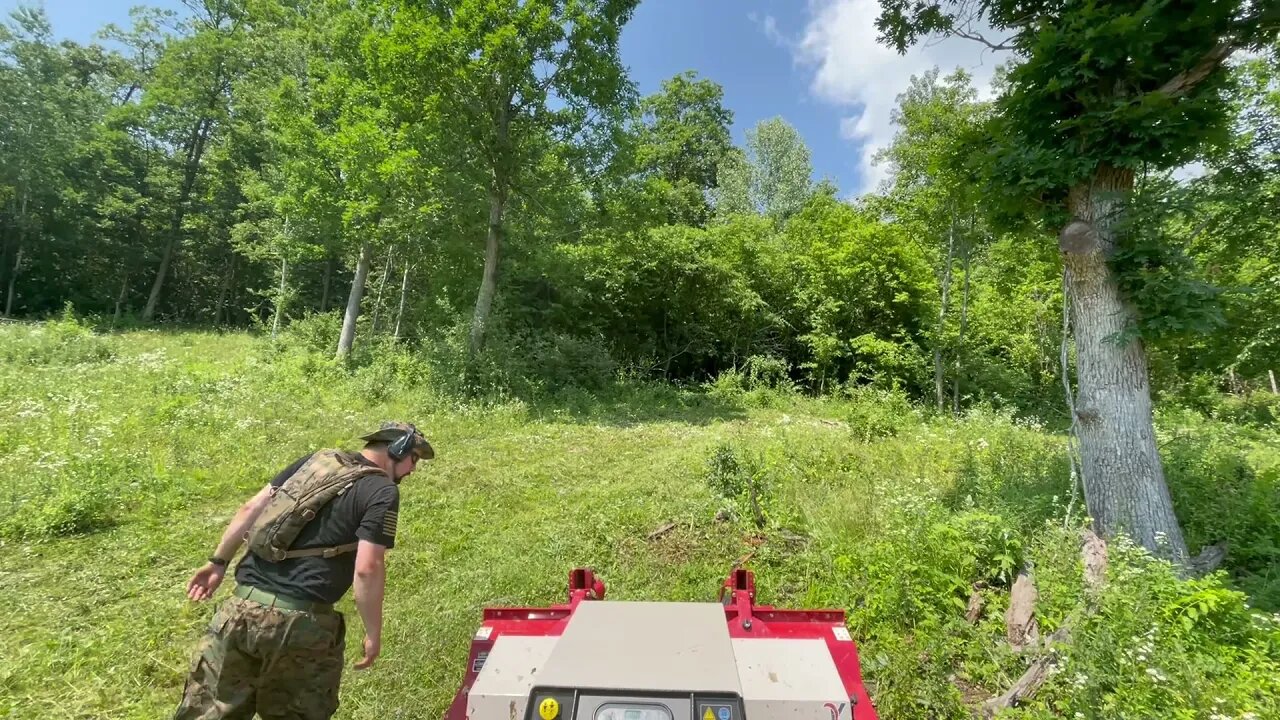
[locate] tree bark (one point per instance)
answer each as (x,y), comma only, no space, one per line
(17,256)
(939,383)
(227,280)
(13,280)
(124,293)
(489,283)
(1272,374)
(964,324)
(348,335)
(404,293)
(377,303)
(195,151)
(498,186)
(1123,478)
(324,288)
(284,287)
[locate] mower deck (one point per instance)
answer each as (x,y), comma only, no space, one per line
(732,660)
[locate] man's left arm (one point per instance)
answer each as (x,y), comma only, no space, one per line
(207,579)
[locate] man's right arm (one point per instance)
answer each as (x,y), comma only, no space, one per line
(375,535)
(369,587)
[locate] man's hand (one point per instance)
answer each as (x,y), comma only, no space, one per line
(206,580)
(372,648)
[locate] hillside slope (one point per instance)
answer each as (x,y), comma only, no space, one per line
(124,457)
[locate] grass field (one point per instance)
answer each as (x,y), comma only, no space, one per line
(124,457)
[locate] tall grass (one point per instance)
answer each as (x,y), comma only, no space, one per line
(121,469)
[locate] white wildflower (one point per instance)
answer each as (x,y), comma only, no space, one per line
(1156,675)
(1249,716)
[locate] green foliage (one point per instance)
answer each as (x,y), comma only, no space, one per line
(1225,482)
(1159,646)
(860,292)
(771,177)
(1155,272)
(67,340)
(683,134)
(869,504)
(1261,409)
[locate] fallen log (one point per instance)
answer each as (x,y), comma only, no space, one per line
(1094,554)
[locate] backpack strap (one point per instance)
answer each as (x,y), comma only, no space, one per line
(321,552)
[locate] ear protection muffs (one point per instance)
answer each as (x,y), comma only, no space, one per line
(403,445)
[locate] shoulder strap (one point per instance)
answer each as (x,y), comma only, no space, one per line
(325,476)
(326,552)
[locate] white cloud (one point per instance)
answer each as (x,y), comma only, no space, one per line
(864,77)
(769,26)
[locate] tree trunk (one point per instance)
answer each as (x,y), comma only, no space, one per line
(498,186)
(404,293)
(284,287)
(938,380)
(225,290)
(124,294)
(489,283)
(353,302)
(196,150)
(6,241)
(377,303)
(964,323)
(13,280)
(324,288)
(17,256)
(1272,374)
(1123,478)
(153,299)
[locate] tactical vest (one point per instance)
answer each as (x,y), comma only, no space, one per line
(324,476)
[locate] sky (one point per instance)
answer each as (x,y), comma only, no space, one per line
(815,63)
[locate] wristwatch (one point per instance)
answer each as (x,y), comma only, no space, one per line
(218,561)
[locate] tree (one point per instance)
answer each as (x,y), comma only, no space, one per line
(682,137)
(50,97)
(934,192)
(186,105)
(1096,93)
(1231,225)
(773,177)
(508,75)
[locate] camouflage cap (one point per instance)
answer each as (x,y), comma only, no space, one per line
(391,431)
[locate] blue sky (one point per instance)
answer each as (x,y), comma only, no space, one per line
(814,62)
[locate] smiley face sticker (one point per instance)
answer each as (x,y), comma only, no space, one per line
(548,709)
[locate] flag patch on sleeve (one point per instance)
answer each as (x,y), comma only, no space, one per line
(389,523)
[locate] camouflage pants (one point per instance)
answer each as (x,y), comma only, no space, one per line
(282,664)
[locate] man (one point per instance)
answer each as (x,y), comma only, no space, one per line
(320,527)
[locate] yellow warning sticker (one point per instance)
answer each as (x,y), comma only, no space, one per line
(549,709)
(708,715)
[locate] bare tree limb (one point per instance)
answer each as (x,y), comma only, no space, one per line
(1093,552)
(1185,81)
(978,38)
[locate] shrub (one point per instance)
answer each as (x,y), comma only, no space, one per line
(62,341)
(1226,488)
(1259,409)
(747,482)
(878,412)
(62,510)
(1160,646)
(315,332)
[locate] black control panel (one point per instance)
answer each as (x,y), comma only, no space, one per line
(587,704)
